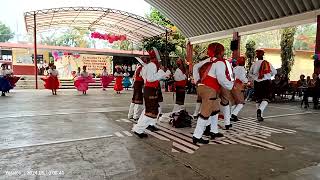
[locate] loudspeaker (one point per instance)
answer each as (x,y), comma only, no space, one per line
(234,45)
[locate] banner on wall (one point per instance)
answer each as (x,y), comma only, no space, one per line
(95,63)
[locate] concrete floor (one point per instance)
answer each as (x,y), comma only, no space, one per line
(71,136)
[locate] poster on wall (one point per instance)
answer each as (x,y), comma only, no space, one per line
(95,63)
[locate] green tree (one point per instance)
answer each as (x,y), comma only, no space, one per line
(305,37)
(71,37)
(5,33)
(250,52)
(156,17)
(176,44)
(287,55)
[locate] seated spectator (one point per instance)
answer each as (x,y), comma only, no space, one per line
(276,86)
(312,91)
(249,91)
(302,81)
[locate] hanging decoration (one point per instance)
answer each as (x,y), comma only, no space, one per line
(58,54)
(108,37)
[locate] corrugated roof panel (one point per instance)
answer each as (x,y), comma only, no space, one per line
(195,18)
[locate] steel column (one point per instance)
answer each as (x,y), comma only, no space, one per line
(35,50)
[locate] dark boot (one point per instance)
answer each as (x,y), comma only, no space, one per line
(259,115)
(215,135)
(152,128)
(234,118)
(207,131)
(201,141)
(142,135)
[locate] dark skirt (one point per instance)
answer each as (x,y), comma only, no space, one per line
(180,95)
(137,92)
(160,97)
(263,91)
(151,102)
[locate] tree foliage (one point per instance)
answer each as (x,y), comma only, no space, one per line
(176,44)
(287,55)
(71,37)
(305,38)
(250,52)
(5,33)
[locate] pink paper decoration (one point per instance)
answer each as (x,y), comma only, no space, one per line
(108,37)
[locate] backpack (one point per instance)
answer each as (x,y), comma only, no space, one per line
(181,119)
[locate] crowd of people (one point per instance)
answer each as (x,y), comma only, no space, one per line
(222,88)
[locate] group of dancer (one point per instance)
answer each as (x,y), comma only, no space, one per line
(220,88)
(7,79)
(83,78)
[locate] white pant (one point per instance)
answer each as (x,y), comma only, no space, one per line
(137,110)
(131,110)
(226,113)
(143,122)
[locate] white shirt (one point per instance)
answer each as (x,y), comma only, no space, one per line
(254,72)
(9,72)
(196,68)
(104,73)
(151,73)
(118,74)
(84,74)
(179,75)
(53,72)
(240,73)
(3,72)
(126,74)
(218,70)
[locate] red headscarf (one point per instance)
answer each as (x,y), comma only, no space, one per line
(211,50)
(153,58)
(241,61)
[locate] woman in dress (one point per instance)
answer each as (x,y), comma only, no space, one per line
(105,78)
(12,79)
(126,80)
(4,82)
(51,81)
(119,76)
(82,81)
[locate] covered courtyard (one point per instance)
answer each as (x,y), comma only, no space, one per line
(89,137)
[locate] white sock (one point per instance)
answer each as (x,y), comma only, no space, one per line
(138,109)
(201,125)
(263,106)
(131,110)
(196,111)
(237,109)
(153,122)
(214,123)
(160,108)
(226,114)
(233,107)
(175,108)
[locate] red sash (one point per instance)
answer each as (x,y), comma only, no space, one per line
(264,69)
(137,76)
(154,84)
(182,83)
